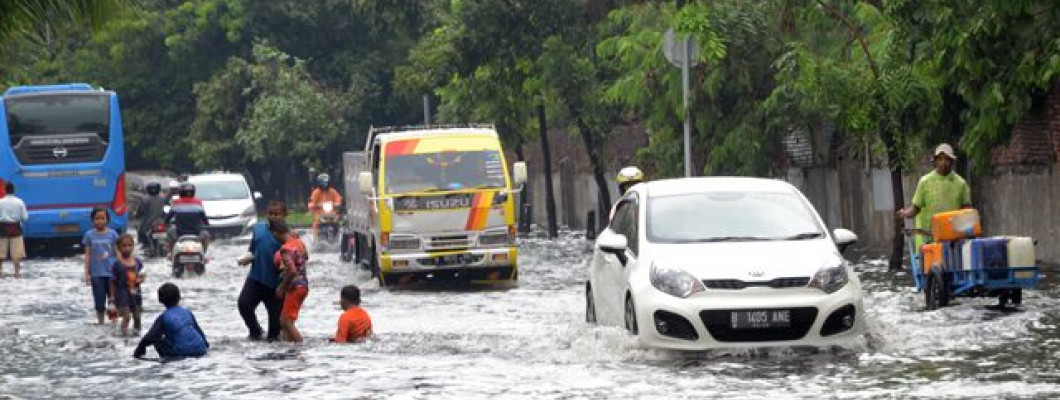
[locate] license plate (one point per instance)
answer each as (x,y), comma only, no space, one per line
(189,259)
(66,228)
(453,259)
(760,319)
(159,236)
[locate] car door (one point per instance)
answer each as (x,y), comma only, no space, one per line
(614,277)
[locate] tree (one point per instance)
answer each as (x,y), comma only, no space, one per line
(27,16)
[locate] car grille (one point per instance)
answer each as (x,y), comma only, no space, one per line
(736,284)
(222,217)
(448,242)
(718,323)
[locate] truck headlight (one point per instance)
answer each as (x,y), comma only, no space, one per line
(404,242)
(495,237)
(675,282)
(831,277)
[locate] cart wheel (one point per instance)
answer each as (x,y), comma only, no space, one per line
(935,294)
(1013,297)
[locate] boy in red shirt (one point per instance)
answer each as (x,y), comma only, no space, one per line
(354,325)
(294,287)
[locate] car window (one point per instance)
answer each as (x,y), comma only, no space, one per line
(625,222)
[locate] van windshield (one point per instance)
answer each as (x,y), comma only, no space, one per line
(443,171)
(230,190)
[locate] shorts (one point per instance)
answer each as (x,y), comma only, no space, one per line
(292,302)
(126,301)
(100,289)
(12,249)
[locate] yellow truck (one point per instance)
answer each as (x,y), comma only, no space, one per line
(434,202)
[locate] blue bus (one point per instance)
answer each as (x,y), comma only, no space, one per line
(61,145)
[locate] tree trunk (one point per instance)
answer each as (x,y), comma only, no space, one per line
(597,163)
(898,196)
(550,197)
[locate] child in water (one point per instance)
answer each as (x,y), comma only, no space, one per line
(354,325)
(291,260)
(175,334)
(99,257)
(127,273)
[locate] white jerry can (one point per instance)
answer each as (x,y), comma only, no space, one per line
(1020,252)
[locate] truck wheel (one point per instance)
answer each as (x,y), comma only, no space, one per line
(1012,297)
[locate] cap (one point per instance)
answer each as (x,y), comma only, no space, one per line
(945,149)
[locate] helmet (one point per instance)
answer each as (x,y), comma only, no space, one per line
(154,188)
(187,189)
(323,180)
(628,177)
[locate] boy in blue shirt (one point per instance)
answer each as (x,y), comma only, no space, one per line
(175,334)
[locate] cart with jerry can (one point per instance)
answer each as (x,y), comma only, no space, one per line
(957,262)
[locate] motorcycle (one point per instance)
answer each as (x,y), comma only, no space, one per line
(329,223)
(157,239)
(188,256)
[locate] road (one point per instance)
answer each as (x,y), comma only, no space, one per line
(524,342)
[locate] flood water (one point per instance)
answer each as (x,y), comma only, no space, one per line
(523,342)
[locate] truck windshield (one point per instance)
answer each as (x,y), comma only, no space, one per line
(53,114)
(451,170)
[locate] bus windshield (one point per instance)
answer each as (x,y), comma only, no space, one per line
(450,170)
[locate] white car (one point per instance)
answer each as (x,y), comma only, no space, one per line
(702,263)
(229,203)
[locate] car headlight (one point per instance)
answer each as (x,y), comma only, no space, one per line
(250,211)
(830,278)
(495,237)
(404,242)
(329,207)
(675,282)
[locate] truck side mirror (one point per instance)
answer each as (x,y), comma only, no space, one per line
(364,182)
(519,174)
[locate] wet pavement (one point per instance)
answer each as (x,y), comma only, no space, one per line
(524,342)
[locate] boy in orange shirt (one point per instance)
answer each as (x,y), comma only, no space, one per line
(354,325)
(293,289)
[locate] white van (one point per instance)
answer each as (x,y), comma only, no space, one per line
(229,203)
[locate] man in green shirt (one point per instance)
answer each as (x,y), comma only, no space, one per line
(939,191)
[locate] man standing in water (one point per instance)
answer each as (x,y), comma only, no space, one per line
(939,191)
(263,278)
(12,216)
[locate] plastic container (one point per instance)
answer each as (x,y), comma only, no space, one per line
(991,254)
(932,256)
(966,255)
(1020,252)
(955,225)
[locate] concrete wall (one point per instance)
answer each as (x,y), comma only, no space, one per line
(1019,203)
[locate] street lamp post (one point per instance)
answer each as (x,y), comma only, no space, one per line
(683,53)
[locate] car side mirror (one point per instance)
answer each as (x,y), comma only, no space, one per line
(257,195)
(364,182)
(844,238)
(165,209)
(519,174)
(613,243)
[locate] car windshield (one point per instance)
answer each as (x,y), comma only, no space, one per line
(223,190)
(730,216)
(451,170)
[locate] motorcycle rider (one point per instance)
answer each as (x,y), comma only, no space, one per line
(322,194)
(628,177)
(188,216)
(150,212)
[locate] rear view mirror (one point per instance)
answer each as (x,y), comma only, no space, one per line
(844,238)
(519,174)
(364,182)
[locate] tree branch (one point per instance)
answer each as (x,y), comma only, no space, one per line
(856,33)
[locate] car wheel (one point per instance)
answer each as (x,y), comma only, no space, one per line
(590,305)
(631,315)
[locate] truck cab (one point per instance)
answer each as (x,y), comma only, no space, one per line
(435,202)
